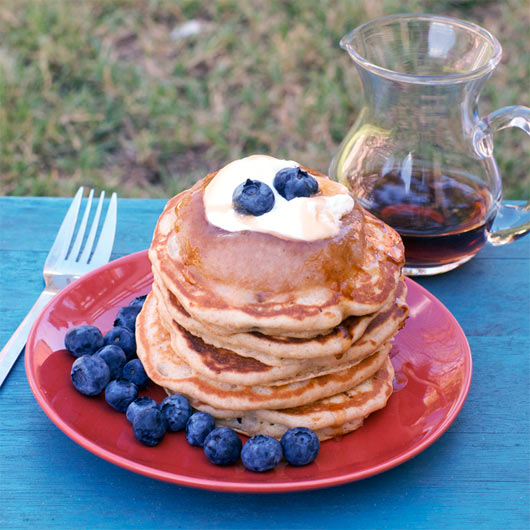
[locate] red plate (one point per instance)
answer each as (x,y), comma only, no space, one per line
(433,372)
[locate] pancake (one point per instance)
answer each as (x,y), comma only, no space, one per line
(226,365)
(169,371)
(328,417)
(275,350)
(268,284)
(279,318)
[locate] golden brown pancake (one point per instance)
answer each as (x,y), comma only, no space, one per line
(250,281)
(328,417)
(167,370)
(224,364)
(265,332)
(276,351)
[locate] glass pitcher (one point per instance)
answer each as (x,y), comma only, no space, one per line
(419,156)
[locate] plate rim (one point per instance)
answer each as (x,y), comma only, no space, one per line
(227,485)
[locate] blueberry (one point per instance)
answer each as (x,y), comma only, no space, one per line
(261,453)
(300,446)
(122,337)
(253,197)
(114,356)
(144,402)
(119,394)
(90,374)
(292,182)
(281,178)
(149,426)
(138,301)
(198,427)
(126,317)
(83,340)
(134,371)
(176,410)
(222,446)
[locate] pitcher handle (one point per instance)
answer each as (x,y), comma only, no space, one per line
(512,221)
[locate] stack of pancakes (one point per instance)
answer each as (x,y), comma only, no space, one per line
(268,333)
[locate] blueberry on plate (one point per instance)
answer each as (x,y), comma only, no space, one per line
(122,337)
(198,427)
(253,197)
(300,446)
(126,316)
(149,426)
(134,371)
(176,410)
(90,375)
(119,394)
(144,402)
(292,182)
(138,301)
(114,356)
(261,453)
(83,340)
(222,446)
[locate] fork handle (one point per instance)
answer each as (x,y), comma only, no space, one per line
(15,344)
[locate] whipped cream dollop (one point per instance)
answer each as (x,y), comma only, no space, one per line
(301,218)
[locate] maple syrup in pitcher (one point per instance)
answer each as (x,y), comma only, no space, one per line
(441,219)
(418,154)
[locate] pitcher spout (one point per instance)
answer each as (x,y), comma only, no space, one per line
(353,44)
(346,41)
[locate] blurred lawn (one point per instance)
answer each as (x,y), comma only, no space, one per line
(105,92)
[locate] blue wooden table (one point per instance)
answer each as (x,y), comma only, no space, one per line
(475,476)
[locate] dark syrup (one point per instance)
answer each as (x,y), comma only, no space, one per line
(441,218)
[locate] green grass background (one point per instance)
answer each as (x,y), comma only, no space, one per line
(101,93)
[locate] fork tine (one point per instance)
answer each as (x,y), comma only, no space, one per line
(81,233)
(106,237)
(93,229)
(64,235)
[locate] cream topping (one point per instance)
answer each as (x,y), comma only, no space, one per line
(302,218)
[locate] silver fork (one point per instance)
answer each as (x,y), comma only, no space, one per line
(62,266)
